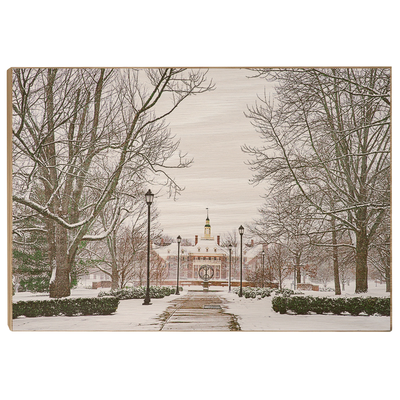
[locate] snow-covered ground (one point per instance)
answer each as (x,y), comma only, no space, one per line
(131,315)
(257,314)
(253,315)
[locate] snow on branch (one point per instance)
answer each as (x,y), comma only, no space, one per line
(107,232)
(46,213)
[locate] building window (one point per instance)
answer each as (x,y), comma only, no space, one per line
(207,249)
(215,250)
(198,249)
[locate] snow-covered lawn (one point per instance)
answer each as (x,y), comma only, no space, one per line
(258,315)
(252,314)
(131,315)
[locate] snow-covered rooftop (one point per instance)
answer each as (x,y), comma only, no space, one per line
(202,247)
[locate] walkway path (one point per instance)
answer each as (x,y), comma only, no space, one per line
(198,311)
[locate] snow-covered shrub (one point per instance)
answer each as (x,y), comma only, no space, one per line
(382,306)
(252,293)
(125,293)
(264,292)
(337,305)
(249,293)
(320,305)
(300,305)
(355,305)
(284,292)
(279,304)
(69,307)
(327,289)
(156,292)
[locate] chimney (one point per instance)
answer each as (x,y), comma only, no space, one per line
(252,243)
(218,237)
(196,239)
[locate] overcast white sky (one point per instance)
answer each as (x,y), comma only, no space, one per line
(212,128)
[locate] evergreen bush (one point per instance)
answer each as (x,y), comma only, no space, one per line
(156,292)
(252,293)
(68,307)
(279,304)
(320,305)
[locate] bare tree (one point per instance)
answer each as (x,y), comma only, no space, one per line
(77,133)
(380,255)
(232,238)
(327,132)
(278,262)
(158,269)
(285,221)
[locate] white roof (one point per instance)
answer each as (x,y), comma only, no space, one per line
(172,249)
(203,245)
(211,245)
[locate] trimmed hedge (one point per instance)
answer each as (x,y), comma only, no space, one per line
(253,292)
(320,305)
(69,307)
(156,292)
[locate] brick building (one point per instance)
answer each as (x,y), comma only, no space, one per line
(205,251)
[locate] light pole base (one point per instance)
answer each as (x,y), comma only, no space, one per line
(146,302)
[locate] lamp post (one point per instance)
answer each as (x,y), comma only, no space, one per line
(149,199)
(241,231)
(178,239)
(230,267)
(263,258)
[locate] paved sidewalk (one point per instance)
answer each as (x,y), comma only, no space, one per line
(198,311)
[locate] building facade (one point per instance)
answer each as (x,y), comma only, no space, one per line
(205,251)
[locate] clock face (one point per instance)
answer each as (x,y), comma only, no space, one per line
(206,272)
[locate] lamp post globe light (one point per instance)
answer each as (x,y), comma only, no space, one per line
(230,267)
(178,239)
(149,200)
(241,231)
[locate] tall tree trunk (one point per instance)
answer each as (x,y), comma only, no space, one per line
(56,254)
(112,248)
(114,277)
(388,280)
(388,269)
(361,261)
(298,269)
(335,257)
(60,285)
(51,241)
